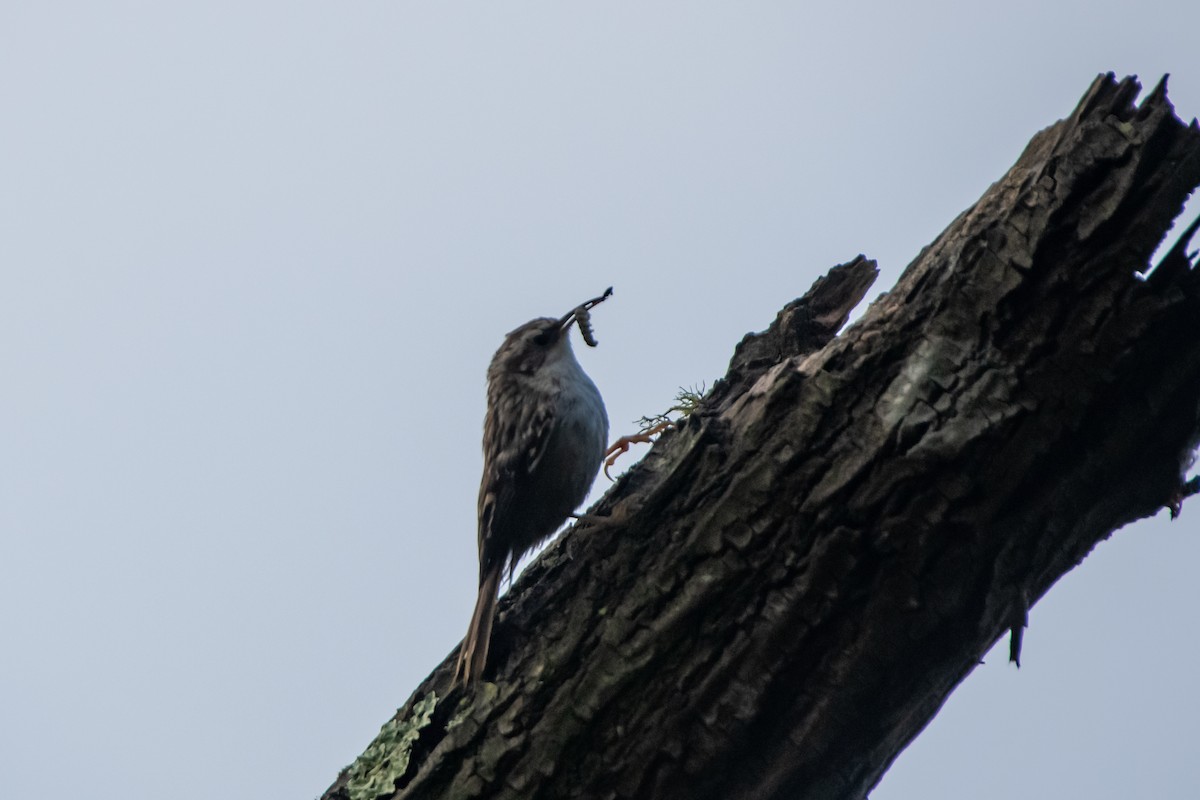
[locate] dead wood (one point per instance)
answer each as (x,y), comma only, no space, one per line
(799,576)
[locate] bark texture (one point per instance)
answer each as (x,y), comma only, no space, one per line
(798,577)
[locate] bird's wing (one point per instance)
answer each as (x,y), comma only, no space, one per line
(515,436)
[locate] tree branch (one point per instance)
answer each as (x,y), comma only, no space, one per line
(798,577)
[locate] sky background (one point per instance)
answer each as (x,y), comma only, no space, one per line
(255,258)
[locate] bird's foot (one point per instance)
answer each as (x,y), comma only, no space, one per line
(600,520)
(622,445)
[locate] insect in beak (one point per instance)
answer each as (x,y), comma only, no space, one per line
(582,314)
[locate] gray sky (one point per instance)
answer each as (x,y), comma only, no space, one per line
(255,259)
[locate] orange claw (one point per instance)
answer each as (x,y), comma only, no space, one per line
(622,445)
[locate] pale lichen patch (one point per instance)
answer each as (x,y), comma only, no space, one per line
(385,760)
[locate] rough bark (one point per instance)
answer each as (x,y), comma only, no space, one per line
(798,577)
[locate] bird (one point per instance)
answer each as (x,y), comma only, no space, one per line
(544,437)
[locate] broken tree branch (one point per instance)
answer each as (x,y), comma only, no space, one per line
(797,577)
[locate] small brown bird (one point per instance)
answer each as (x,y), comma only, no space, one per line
(544,437)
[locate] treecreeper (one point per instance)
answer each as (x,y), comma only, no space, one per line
(544,437)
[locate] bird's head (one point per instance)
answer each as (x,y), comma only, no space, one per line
(545,340)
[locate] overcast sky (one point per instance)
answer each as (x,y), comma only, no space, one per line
(256,257)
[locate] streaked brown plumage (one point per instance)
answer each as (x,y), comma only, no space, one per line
(544,437)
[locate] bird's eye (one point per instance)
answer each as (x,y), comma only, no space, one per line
(543,338)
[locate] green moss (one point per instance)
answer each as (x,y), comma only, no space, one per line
(686,401)
(386,759)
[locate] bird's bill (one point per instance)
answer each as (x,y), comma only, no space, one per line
(571,315)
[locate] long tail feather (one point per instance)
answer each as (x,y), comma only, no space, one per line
(472,658)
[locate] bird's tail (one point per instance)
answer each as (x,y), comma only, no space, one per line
(472,658)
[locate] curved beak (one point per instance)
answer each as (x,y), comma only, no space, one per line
(570,316)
